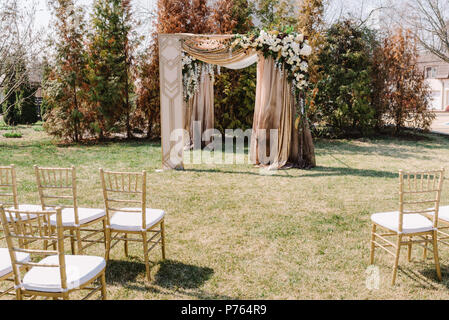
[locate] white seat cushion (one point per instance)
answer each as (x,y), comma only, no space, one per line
(132,221)
(443,213)
(412,223)
(5,260)
(85,215)
(79,270)
(26,207)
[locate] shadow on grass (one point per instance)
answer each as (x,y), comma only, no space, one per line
(347,171)
(428,271)
(399,148)
(173,278)
(426,279)
(173,274)
(120,271)
(36,144)
(132,142)
(423,274)
(178,293)
(316,172)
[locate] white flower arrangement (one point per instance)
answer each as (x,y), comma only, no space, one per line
(289,50)
(192,70)
(190,75)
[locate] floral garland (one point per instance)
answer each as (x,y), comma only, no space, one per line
(192,69)
(288,49)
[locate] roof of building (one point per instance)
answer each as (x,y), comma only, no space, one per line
(430,60)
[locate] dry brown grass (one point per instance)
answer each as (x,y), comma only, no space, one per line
(233,233)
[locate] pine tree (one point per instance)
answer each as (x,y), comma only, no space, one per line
(200,13)
(173,16)
(405,95)
(276,14)
(235,90)
(64,84)
(343,99)
(222,19)
(110,58)
(310,23)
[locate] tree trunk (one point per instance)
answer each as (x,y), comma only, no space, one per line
(76,122)
(128,126)
(150,126)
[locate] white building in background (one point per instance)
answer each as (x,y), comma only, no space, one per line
(436,73)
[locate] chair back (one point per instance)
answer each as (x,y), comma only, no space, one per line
(8,186)
(57,188)
(420,193)
(21,232)
(122,190)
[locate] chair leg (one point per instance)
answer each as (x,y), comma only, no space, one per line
(409,250)
(48,234)
(435,254)
(72,241)
(108,244)
(103,286)
(126,245)
(425,249)
(373,246)
(145,255)
(53,231)
(105,230)
(163,239)
(396,259)
(19,294)
(79,241)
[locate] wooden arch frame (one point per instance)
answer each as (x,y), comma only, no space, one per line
(172,104)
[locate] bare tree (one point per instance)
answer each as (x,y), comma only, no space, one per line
(429,22)
(19,41)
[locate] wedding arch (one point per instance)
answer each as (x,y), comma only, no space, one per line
(281,77)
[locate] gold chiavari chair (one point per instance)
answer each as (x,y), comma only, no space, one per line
(409,225)
(443,226)
(6,273)
(8,190)
(9,198)
(59,185)
(57,275)
(121,190)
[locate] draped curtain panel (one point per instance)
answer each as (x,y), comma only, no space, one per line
(218,51)
(274,110)
(199,115)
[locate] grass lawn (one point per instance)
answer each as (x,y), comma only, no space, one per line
(233,233)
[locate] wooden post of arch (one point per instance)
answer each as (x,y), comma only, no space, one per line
(172,113)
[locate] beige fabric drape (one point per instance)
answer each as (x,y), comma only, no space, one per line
(307,148)
(200,108)
(275,109)
(219,51)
